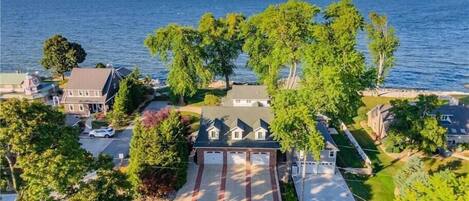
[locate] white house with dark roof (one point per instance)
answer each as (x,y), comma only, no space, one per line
(25,85)
(91,90)
(247,96)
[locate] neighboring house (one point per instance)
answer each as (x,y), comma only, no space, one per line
(91,90)
(455,118)
(379,120)
(326,164)
(247,95)
(237,134)
(25,85)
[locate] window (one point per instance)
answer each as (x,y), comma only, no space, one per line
(70,93)
(70,107)
(260,135)
(237,135)
(213,134)
(248,101)
(237,101)
(331,154)
(80,93)
(81,108)
(87,93)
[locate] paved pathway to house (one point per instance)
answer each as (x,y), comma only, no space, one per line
(229,183)
(324,187)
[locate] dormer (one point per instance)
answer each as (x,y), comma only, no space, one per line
(237,129)
(260,129)
(214,130)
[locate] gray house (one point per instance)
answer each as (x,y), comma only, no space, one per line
(455,118)
(91,90)
(379,120)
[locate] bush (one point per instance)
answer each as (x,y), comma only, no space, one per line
(462,147)
(211,99)
(394,143)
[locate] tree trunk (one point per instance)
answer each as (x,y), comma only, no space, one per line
(181,100)
(63,76)
(292,82)
(287,82)
(227,82)
(303,176)
(12,171)
(289,163)
(380,70)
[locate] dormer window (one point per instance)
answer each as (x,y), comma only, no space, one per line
(248,101)
(238,101)
(260,135)
(80,93)
(331,154)
(213,135)
(237,135)
(87,93)
(70,93)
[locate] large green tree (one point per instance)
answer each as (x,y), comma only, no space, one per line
(334,70)
(60,55)
(179,47)
(222,42)
(159,154)
(40,149)
(413,171)
(383,42)
(276,38)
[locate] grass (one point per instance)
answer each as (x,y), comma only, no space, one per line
(463,99)
(194,120)
(348,155)
(198,98)
(288,192)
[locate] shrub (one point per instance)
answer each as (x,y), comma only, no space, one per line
(211,99)
(394,143)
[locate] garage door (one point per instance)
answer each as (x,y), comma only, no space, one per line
(213,157)
(326,168)
(236,157)
(310,167)
(260,158)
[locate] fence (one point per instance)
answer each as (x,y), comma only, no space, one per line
(355,144)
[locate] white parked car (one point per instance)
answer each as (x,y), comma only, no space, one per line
(102,132)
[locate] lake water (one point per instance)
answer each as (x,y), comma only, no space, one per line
(434,34)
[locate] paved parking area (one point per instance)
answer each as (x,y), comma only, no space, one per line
(324,187)
(229,183)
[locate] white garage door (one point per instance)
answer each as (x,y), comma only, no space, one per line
(326,168)
(310,167)
(213,157)
(236,157)
(260,158)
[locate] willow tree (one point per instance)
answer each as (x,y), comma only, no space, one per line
(334,70)
(383,43)
(222,43)
(179,48)
(294,126)
(276,39)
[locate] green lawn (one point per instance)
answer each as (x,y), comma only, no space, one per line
(348,155)
(463,99)
(198,98)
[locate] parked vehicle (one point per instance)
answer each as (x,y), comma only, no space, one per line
(102,132)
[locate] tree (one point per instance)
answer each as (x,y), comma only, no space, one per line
(159,154)
(100,65)
(432,135)
(412,172)
(39,148)
(277,37)
(443,185)
(60,55)
(179,47)
(294,126)
(222,42)
(383,42)
(334,70)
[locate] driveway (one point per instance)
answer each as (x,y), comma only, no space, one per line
(324,187)
(230,183)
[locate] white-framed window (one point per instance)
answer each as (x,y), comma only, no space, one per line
(260,135)
(213,135)
(331,154)
(70,107)
(237,135)
(80,92)
(237,101)
(81,108)
(70,93)
(248,101)
(87,93)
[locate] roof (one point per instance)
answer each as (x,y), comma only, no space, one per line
(12,78)
(459,118)
(246,118)
(88,78)
(385,111)
(248,92)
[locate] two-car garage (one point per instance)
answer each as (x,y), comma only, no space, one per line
(237,157)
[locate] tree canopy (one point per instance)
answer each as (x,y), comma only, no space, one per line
(222,42)
(60,55)
(179,47)
(383,42)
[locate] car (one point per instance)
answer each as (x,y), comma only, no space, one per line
(102,132)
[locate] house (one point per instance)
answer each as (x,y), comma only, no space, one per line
(247,95)
(91,90)
(25,85)
(238,132)
(455,118)
(379,120)
(326,164)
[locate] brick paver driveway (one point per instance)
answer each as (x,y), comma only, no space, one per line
(229,183)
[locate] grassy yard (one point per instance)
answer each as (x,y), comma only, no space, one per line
(198,98)
(380,187)
(347,156)
(463,99)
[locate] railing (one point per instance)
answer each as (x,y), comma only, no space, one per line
(356,145)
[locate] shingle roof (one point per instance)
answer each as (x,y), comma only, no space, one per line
(12,78)
(248,92)
(459,118)
(88,78)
